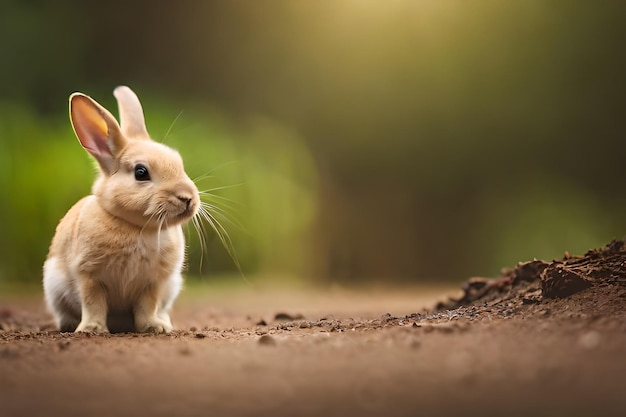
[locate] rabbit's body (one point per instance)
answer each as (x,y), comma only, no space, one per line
(118,253)
(125,267)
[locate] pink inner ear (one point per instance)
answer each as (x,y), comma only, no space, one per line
(93,143)
(92,130)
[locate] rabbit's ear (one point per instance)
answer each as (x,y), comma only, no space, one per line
(131,113)
(97,130)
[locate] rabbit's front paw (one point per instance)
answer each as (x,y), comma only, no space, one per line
(154,325)
(91,327)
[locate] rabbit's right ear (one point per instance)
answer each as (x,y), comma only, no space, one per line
(97,130)
(131,113)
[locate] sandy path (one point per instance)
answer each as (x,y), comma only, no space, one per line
(344,357)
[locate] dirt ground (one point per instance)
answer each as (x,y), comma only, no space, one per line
(544,339)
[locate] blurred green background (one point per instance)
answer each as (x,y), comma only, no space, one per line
(355,141)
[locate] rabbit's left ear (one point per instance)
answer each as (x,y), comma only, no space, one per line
(131,114)
(97,130)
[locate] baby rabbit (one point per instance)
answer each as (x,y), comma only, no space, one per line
(118,253)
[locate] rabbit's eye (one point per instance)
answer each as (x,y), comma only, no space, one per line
(141,173)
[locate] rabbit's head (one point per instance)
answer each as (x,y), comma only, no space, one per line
(141,181)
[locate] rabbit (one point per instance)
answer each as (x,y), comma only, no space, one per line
(118,254)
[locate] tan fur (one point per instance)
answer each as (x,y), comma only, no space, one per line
(119,252)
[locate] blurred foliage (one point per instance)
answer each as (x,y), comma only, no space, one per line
(254,175)
(381,140)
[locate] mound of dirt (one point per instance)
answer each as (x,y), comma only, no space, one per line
(532,286)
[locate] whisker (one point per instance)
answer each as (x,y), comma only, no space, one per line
(214,214)
(223,187)
(169,130)
(225,207)
(146,224)
(209,174)
(201,237)
(223,236)
(207,194)
(201,178)
(162,221)
(216,210)
(224,215)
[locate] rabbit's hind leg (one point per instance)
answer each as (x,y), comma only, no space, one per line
(61,297)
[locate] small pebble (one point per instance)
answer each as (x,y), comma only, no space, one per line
(267,340)
(287,316)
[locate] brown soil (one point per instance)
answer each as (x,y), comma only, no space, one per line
(543,339)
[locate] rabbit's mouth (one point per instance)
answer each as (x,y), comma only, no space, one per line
(179,209)
(185,215)
(188,211)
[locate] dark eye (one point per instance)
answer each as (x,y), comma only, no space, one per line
(141,173)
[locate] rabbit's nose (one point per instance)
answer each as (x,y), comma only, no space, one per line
(185,199)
